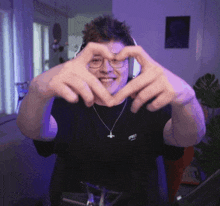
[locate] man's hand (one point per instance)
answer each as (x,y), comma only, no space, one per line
(154,81)
(72,78)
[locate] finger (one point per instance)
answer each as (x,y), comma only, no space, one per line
(147,94)
(162,100)
(92,49)
(138,53)
(100,91)
(66,93)
(137,84)
(93,83)
(80,87)
(130,89)
(133,96)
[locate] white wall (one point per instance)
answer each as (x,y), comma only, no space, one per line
(147,21)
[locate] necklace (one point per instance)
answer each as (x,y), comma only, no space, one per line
(111,135)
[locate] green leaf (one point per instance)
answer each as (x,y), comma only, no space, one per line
(207,89)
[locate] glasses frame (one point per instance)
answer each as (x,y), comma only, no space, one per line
(109,61)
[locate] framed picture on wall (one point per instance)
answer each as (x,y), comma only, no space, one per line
(177,32)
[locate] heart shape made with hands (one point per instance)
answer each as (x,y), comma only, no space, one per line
(154,81)
(150,83)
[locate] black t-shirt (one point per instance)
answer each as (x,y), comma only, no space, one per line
(82,139)
(82,133)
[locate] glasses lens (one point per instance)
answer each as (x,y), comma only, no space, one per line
(116,64)
(96,62)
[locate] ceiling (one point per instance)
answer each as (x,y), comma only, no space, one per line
(72,7)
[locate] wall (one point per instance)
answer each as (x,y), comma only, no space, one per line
(75,28)
(47,15)
(5,4)
(77,23)
(211,48)
(147,21)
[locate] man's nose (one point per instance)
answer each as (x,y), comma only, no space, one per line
(106,67)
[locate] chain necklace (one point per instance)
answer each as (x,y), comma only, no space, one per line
(111,135)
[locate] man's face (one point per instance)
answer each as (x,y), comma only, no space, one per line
(113,79)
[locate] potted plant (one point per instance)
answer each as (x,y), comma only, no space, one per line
(207,154)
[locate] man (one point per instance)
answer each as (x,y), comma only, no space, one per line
(108,131)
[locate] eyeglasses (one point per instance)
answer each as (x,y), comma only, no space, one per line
(98,61)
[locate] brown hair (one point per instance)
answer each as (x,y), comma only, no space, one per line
(105,29)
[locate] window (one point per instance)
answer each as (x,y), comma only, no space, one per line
(40,48)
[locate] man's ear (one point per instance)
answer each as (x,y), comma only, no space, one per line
(134,66)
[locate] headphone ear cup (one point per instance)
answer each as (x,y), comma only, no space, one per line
(135,67)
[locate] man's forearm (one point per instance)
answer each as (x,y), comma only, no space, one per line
(187,126)
(34,115)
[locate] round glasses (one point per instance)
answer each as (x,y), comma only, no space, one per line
(98,61)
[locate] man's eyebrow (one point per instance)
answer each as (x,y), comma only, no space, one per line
(97,55)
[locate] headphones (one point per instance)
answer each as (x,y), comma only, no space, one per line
(134,66)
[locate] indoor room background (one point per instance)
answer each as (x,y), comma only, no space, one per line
(26,47)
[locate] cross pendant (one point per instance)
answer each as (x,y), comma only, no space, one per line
(111,135)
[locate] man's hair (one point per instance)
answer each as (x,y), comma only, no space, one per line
(105,29)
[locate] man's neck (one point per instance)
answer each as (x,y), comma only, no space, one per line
(100,103)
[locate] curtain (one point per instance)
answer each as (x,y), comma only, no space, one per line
(23,43)
(17,55)
(7,76)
